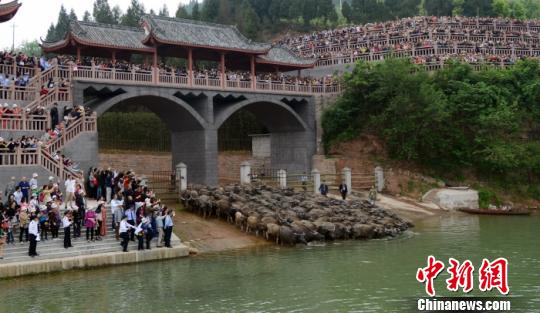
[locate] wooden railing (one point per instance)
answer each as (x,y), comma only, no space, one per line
(170,79)
(82,124)
(19,157)
(24,122)
(17,93)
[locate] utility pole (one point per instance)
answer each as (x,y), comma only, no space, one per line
(13,42)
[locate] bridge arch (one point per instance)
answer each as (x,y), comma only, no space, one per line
(178,115)
(274,115)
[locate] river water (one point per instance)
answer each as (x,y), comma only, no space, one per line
(360,276)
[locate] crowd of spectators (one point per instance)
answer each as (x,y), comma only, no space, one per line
(135,210)
(489,39)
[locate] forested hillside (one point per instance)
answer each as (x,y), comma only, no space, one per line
(264,19)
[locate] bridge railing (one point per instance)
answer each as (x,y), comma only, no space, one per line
(171,79)
(23,122)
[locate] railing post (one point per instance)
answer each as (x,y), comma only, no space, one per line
(181,176)
(282,178)
(379,178)
(316,180)
(18,157)
(245,173)
(347,177)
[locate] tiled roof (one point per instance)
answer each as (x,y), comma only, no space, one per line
(113,36)
(201,34)
(9,5)
(281,55)
(8,10)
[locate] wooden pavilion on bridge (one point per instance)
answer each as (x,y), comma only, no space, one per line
(8,10)
(162,37)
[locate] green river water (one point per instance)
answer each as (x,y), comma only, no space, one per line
(359,276)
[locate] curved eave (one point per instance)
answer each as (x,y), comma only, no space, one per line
(191,45)
(72,37)
(7,13)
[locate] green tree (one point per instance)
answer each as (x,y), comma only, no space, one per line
(347,11)
(501,8)
(31,48)
(116,14)
(73,15)
(51,33)
(102,12)
(87,17)
(62,24)
(181,12)
(439,7)
(210,10)
(224,12)
(133,14)
(478,8)
(518,10)
(196,11)
(164,11)
(250,21)
(457,9)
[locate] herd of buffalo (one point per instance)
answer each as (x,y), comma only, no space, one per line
(290,217)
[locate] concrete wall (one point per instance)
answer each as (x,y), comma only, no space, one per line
(83,150)
(260,146)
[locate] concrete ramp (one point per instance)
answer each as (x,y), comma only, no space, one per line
(453,198)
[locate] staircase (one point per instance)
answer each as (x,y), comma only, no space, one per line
(52,249)
(43,155)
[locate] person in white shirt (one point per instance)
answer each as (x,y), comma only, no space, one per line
(66,223)
(33,233)
(18,195)
(70,191)
(124,227)
(33,181)
(117,213)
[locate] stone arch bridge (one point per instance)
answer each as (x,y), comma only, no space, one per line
(194,117)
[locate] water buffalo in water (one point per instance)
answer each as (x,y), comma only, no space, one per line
(288,236)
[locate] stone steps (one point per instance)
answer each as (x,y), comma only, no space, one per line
(51,249)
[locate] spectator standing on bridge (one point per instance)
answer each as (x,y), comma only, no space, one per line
(66,223)
(54,115)
(33,233)
(343,190)
(70,191)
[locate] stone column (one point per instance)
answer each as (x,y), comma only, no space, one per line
(316,180)
(379,178)
(181,176)
(347,177)
(198,150)
(245,173)
(282,178)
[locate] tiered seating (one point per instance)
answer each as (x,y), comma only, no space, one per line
(424,40)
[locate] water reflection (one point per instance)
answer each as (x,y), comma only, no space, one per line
(366,276)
